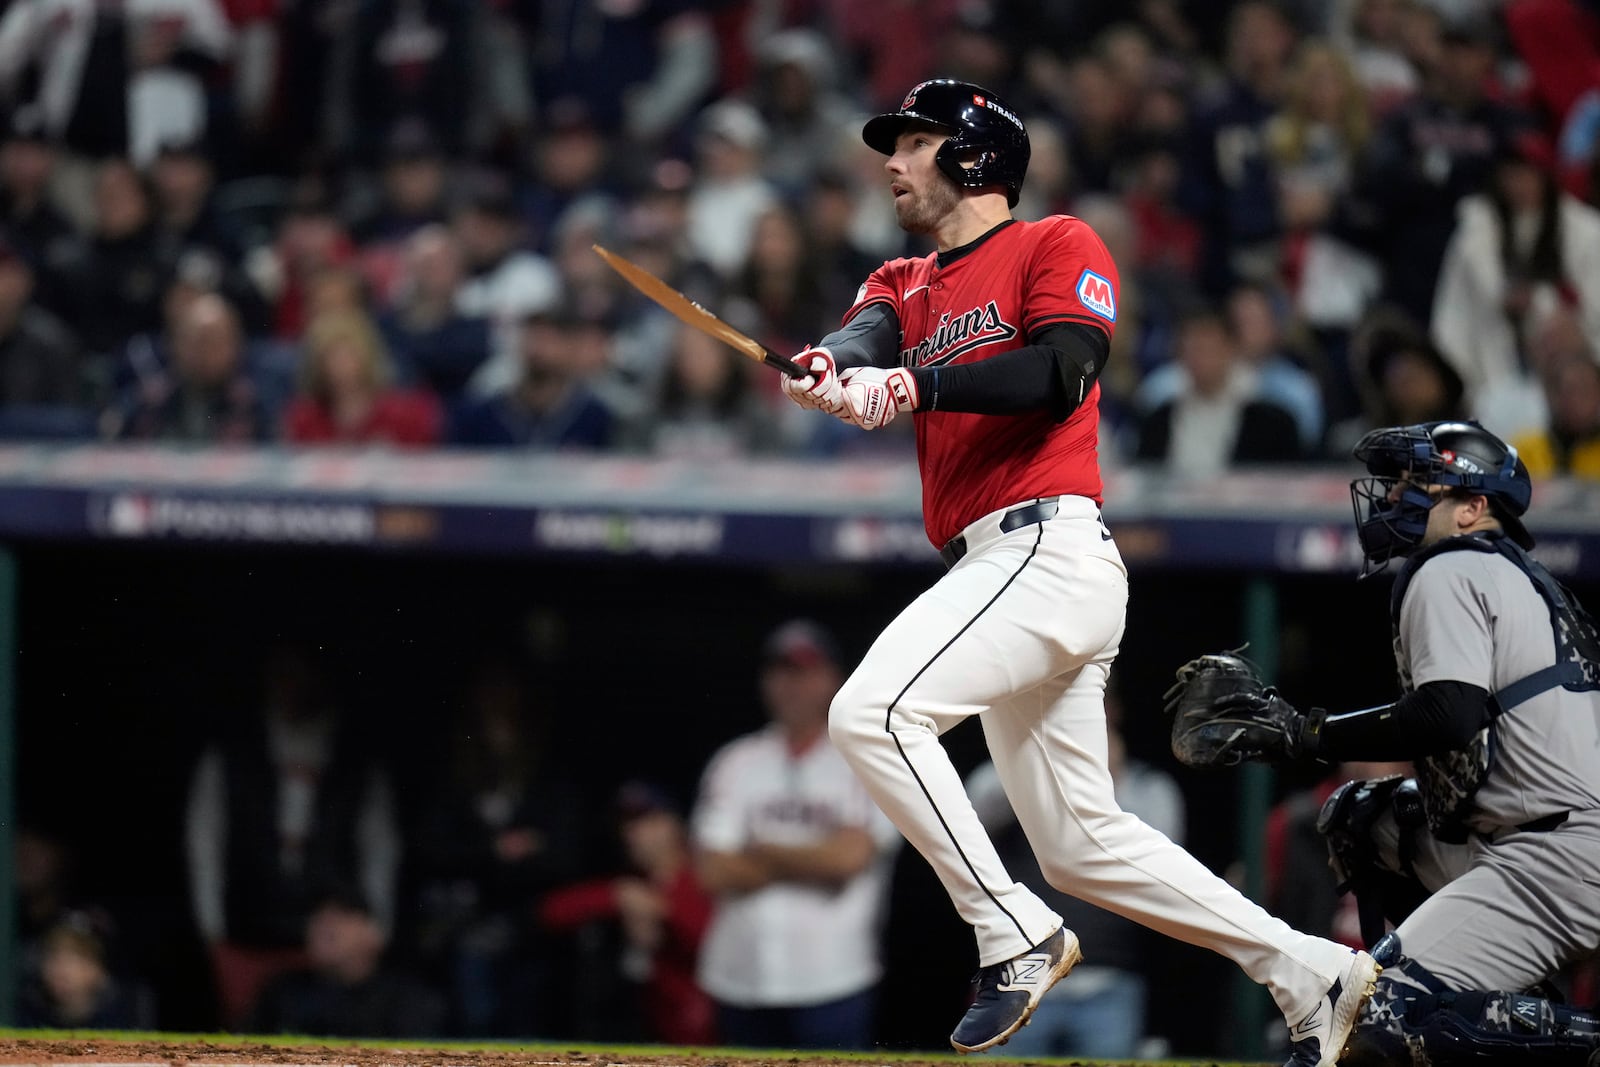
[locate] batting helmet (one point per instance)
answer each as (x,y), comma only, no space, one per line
(985,134)
(1456,454)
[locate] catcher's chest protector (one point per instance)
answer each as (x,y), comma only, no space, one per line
(1449,782)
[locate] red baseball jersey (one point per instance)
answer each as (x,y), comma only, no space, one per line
(985,300)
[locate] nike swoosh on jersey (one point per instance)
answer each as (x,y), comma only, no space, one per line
(913,291)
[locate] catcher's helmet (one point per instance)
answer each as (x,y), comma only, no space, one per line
(984,133)
(1457,454)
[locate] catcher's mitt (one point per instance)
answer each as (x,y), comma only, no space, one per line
(1223,714)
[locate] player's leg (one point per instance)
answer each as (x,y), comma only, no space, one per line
(1050,752)
(979,635)
(1523,910)
(998,623)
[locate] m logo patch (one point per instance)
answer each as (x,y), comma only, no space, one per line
(1094,292)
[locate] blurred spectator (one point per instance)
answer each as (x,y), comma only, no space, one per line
(1402,377)
(347,987)
(285,804)
(894,43)
(1258,317)
(1098,113)
(796,94)
(553,404)
(1571,444)
(1216,419)
(1371,34)
(74,987)
(707,408)
(1317,139)
(663,913)
(797,856)
(1048,190)
(498,829)
(125,274)
(782,281)
(206,395)
(1228,181)
(828,209)
(433,342)
(1428,154)
(643,68)
(114,79)
(417,62)
(1522,251)
(1168,238)
(42,387)
(345,392)
(310,240)
(1559,40)
(1255,320)
(411,194)
(1100,1013)
(571,159)
(506,283)
(182,178)
(729,194)
(27,164)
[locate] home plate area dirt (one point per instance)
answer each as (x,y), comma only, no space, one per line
(200,1052)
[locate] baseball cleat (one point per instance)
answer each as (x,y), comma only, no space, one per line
(1319,1039)
(1009,991)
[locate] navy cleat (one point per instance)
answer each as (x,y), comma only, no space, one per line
(1009,991)
(1319,1039)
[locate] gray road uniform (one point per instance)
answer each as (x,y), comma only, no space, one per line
(1489,860)
(1515,865)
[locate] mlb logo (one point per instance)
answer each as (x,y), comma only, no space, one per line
(1094,293)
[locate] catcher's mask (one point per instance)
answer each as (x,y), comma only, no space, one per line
(1457,455)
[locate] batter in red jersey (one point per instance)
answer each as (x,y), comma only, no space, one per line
(995,343)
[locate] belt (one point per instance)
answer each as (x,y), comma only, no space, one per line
(1537,826)
(1015,519)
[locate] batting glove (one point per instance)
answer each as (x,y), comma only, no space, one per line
(820,389)
(874,396)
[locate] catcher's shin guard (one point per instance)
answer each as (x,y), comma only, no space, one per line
(1414,1020)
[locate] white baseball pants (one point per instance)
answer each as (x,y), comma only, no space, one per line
(1023,631)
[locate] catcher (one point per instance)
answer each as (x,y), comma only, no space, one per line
(1489,860)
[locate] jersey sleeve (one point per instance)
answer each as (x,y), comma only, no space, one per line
(1071,278)
(1446,624)
(718,822)
(881,287)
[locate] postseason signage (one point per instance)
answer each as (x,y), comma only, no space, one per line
(863,513)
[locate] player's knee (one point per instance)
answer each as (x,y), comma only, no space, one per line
(851,719)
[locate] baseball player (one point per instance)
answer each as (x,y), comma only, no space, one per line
(995,342)
(1500,713)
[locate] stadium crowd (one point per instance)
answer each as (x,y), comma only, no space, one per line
(228,221)
(341,222)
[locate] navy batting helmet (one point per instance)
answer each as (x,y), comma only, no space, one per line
(985,134)
(1460,455)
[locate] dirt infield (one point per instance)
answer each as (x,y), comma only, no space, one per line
(167,1051)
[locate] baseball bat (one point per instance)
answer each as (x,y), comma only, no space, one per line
(695,315)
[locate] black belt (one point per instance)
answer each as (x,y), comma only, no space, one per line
(1015,519)
(1549,822)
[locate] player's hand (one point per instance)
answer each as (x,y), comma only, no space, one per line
(820,389)
(874,396)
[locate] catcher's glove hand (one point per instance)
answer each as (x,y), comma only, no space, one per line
(1223,715)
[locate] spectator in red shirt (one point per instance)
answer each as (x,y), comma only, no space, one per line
(663,911)
(345,396)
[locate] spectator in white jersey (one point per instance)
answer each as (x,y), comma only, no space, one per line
(797,856)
